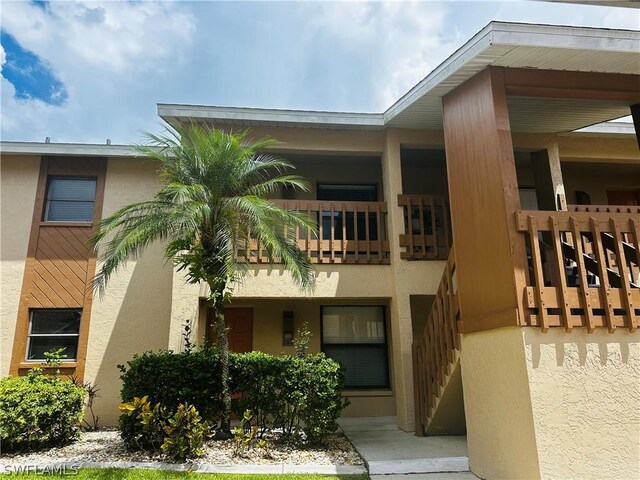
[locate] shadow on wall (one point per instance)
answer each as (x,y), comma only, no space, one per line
(580,348)
(135,322)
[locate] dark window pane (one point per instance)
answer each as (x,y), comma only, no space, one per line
(70,199)
(39,345)
(74,189)
(55,321)
(365,365)
(64,211)
(344,193)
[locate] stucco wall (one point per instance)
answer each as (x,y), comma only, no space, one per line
(18,184)
(134,314)
(585,396)
(597,178)
(497,404)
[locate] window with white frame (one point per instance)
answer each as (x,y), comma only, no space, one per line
(50,329)
(355,336)
(70,199)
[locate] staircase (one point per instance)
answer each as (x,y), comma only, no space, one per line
(439,402)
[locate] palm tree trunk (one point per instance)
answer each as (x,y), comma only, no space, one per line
(223,348)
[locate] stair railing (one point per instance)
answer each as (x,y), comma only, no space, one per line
(436,349)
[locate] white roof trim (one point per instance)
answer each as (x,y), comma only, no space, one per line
(79,149)
(271,115)
(608,128)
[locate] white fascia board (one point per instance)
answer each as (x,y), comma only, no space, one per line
(606,129)
(71,149)
(251,115)
(552,36)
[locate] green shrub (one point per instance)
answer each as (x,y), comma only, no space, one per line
(179,434)
(37,411)
(172,379)
(290,393)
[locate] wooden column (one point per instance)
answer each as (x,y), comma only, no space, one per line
(483,193)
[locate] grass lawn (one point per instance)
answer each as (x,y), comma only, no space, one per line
(147,474)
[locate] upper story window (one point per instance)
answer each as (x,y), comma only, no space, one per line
(70,199)
(51,329)
(347,193)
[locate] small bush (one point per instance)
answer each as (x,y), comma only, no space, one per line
(172,379)
(290,393)
(179,434)
(37,411)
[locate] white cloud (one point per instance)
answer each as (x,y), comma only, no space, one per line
(3,58)
(103,53)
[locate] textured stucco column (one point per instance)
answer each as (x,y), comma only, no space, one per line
(497,403)
(547,174)
(400,308)
(185,308)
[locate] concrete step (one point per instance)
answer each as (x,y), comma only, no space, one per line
(428,476)
(418,465)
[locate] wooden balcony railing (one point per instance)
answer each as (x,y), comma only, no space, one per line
(427,227)
(605,208)
(348,232)
(584,268)
(436,349)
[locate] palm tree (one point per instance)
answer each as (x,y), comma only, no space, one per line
(211,201)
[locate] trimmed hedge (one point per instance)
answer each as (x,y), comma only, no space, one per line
(38,411)
(171,379)
(283,392)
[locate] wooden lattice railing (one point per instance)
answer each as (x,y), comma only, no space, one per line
(427,227)
(436,349)
(605,208)
(348,232)
(584,268)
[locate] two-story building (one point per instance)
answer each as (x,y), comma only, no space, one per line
(524,336)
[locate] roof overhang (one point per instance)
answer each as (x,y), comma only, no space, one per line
(68,149)
(499,44)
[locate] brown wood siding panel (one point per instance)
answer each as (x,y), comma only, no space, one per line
(483,195)
(59,264)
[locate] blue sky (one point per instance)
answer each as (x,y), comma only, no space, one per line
(87,71)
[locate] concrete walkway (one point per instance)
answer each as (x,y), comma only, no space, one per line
(389,451)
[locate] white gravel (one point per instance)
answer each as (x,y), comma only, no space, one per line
(106,446)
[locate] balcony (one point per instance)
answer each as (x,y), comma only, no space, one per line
(583,267)
(348,233)
(427,227)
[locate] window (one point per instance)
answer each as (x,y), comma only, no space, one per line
(348,193)
(355,336)
(70,199)
(52,329)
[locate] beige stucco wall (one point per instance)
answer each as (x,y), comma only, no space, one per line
(134,314)
(585,397)
(497,403)
(18,184)
(596,179)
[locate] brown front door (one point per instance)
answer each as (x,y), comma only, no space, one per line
(623,197)
(240,328)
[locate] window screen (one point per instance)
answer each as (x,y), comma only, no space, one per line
(70,199)
(346,193)
(355,336)
(53,329)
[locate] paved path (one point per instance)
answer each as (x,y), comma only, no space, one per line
(389,451)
